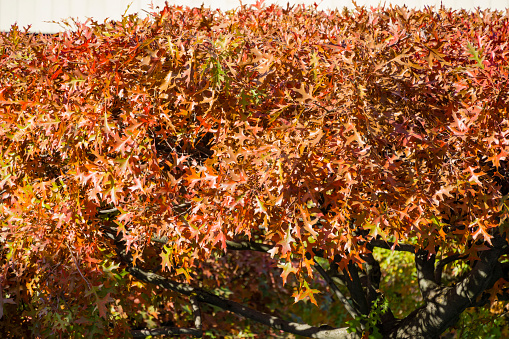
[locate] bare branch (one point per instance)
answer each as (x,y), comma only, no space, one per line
(505,270)
(78,268)
(166,330)
(425,265)
(373,270)
(336,290)
(372,276)
(443,309)
(248,245)
(354,285)
(442,263)
(109,211)
(350,279)
(324,332)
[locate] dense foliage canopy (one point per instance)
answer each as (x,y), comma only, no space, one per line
(231,164)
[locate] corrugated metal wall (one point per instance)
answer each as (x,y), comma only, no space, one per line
(38,12)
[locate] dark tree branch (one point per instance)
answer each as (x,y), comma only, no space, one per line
(499,272)
(444,305)
(425,265)
(337,292)
(321,332)
(339,277)
(372,282)
(361,299)
(345,278)
(324,332)
(505,270)
(354,285)
(442,263)
(372,277)
(248,245)
(165,330)
(503,294)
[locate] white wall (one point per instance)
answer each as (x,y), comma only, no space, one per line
(38,12)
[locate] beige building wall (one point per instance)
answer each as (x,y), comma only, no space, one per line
(39,13)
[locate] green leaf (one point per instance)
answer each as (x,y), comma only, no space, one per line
(475,55)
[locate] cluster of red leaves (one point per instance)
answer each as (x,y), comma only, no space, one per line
(302,129)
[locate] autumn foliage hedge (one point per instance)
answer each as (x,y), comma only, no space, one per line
(167,143)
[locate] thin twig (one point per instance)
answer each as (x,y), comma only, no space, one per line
(76,263)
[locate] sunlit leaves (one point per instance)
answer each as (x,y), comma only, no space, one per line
(286,242)
(287,269)
(305,292)
(166,255)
